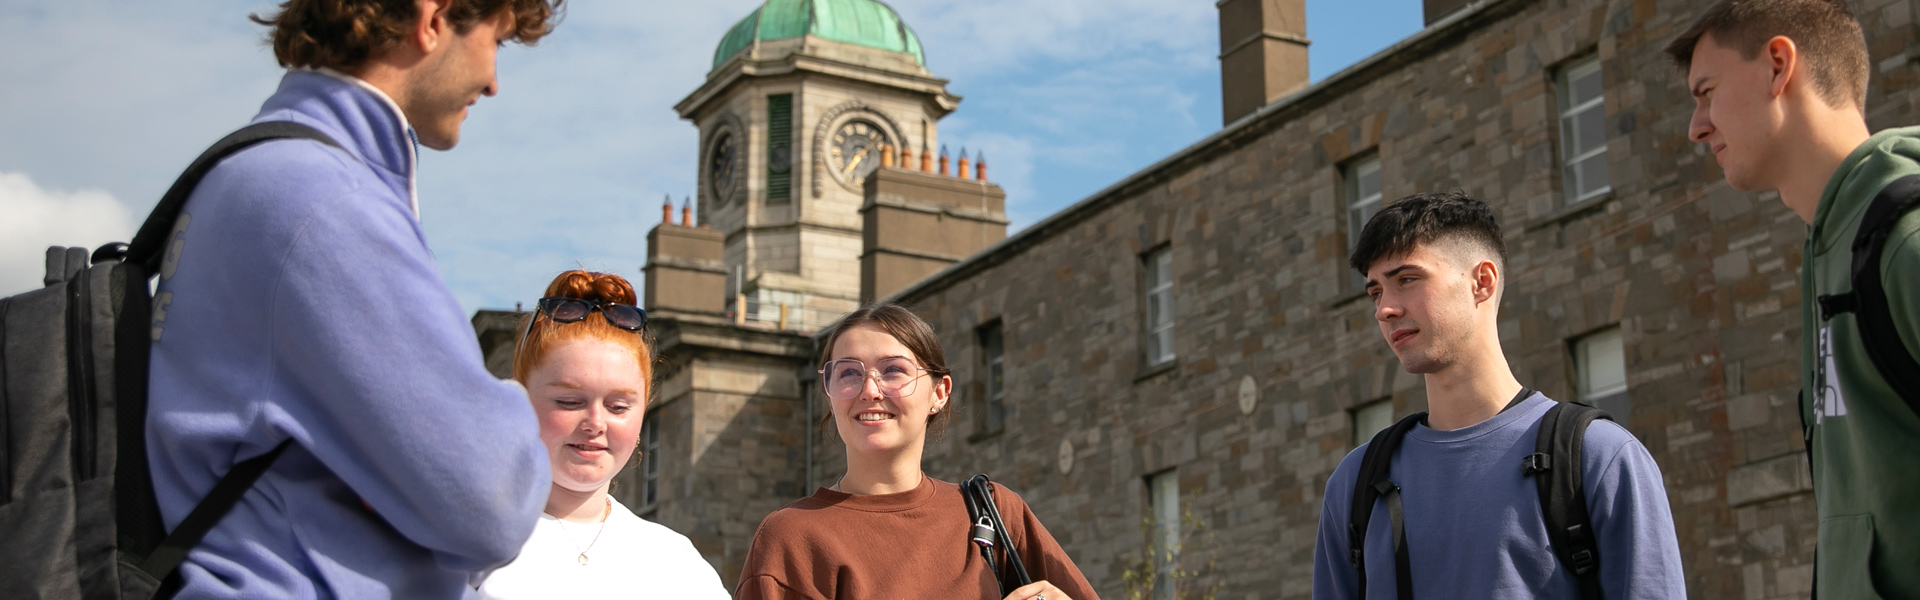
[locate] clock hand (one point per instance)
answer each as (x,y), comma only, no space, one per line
(857,157)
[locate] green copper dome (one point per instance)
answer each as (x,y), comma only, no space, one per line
(863,22)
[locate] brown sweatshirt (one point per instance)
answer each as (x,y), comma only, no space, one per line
(910,545)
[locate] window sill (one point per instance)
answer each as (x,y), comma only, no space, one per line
(1570,212)
(985,435)
(1157,370)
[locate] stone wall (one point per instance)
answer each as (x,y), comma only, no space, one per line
(1276,347)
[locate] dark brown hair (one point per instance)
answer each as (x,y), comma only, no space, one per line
(544,334)
(1425,219)
(1824,31)
(343,34)
(913,333)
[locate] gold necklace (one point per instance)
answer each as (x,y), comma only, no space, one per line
(596,533)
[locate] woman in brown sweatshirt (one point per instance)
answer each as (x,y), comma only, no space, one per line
(886,530)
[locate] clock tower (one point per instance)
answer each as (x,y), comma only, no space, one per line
(802,96)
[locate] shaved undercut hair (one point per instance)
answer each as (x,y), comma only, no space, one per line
(1429,219)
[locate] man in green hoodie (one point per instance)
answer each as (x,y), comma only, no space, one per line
(1780,90)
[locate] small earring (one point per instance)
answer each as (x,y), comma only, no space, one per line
(934,411)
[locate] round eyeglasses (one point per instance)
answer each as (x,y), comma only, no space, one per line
(845,378)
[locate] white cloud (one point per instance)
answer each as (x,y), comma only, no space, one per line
(38,218)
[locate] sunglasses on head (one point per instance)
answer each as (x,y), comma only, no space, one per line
(571,310)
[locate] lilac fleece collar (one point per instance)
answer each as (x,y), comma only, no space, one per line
(357,115)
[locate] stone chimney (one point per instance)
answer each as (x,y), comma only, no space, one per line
(1435,10)
(685,271)
(1263,53)
(916,223)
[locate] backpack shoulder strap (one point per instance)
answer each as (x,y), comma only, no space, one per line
(1868,298)
(138,528)
(165,559)
(149,243)
(1563,499)
(1369,486)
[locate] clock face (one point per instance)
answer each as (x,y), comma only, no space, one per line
(854,150)
(723,166)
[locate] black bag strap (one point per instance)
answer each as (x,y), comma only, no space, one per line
(149,244)
(1371,485)
(1563,499)
(990,533)
(1868,299)
(218,502)
(139,529)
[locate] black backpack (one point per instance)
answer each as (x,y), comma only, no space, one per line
(77,508)
(1562,499)
(1868,299)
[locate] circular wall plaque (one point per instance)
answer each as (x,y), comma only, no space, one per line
(1249,395)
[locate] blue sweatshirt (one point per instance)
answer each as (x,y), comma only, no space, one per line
(1475,529)
(298,300)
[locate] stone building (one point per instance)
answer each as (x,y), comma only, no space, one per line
(1187,345)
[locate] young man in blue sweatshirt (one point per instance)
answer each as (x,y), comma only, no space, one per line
(298,301)
(1436,269)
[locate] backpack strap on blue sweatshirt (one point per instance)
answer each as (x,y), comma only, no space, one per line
(1373,484)
(1563,497)
(138,528)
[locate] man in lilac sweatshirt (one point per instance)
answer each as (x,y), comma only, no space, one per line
(1436,269)
(298,301)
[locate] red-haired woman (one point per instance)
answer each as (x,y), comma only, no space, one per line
(586,364)
(886,530)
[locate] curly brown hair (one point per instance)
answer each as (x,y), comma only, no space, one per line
(343,34)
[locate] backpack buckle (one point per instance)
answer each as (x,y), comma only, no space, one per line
(1582,562)
(1832,305)
(1533,464)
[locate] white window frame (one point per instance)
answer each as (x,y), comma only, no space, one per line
(1603,350)
(1163,490)
(1362,204)
(1366,420)
(1570,111)
(994,417)
(1159,295)
(649,492)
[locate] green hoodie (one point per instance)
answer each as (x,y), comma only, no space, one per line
(1865,441)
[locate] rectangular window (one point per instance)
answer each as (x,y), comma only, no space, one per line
(1583,131)
(1164,491)
(779,146)
(649,461)
(1370,418)
(1600,365)
(1363,201)
(1159,264)
(993,364)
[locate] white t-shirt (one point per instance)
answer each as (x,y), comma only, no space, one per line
(634,558)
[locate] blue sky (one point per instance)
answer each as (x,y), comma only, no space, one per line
(105,100)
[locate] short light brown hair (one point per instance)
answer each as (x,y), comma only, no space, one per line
(344,34)
(1828,38)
